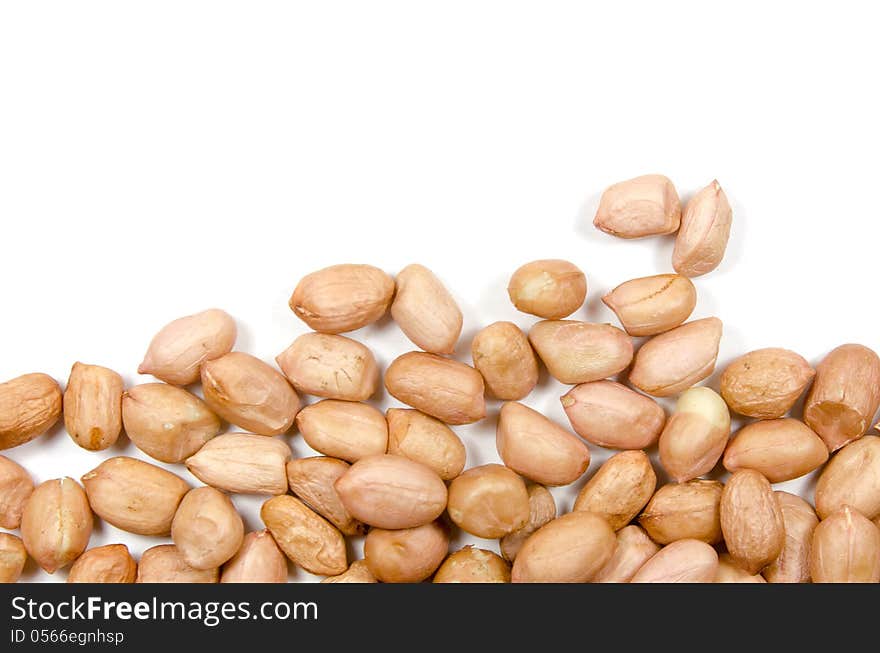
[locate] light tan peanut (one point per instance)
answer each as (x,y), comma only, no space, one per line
(619,489)
(242,463)
(705,228)
(313,481)
(56,523)
(570,549)
(15,488)
(695,435)
(678,359)
(611,415)
(259,560)
(247,392)
(104,564)
(177,352)
(845,395)
(551,288)
(780,449)
(730,572)
(682,561)
(306,538)
(165,564)
(639,207)
(330,366)
(793,564)
(427,440)
(166,422)
(651,305)
(29,406)
(851,478)
(765,383)
(535,447)
(682,511)
(470,565)
(134,495)
(392,492)
(751,521)
(503,356)
(634,548)
(342,298)
(206,529)
(409,555)
(846,549)
(488,501)
(580,352)
(343,429)
(358,572)
(425,310)
(542,509)
(13,556)
(443,388)
(93,406)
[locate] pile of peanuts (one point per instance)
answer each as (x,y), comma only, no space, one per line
(400,479)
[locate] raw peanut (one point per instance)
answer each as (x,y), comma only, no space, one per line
(751,521)
(409,555)
(342,298)
(682,511)
(683,561)
(852,478)
(29,406)
(611,415)
(134,495)
(845,395)
(580,352)
(104,564)
(678,359)
(705,228)
(166,422)
(470,565)
(242,463)
(651,305)
(165,564)
(330,366)
(619,489)
(551,288)
(502,354)
(488,501)
(305,537)
(177,352)
(392,492)
(427,440)
(570,549)
(730,572)
(765,383)
(780,449)
(542,509)
(259,560)
(535,447)
(695,436)
(56,523)
(15,488)
(247,392)
(425,311)
(206,528)
(846,549)
(793,564)
(358,572)
(443,388)
(93,406)
(634,548)
(639,207)
(12,558)
(343,429)
(313,480)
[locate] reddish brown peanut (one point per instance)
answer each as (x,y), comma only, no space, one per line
(427,440)
(470,565)
(313,480)
(425,310)
(634,548)
(639,207)
(93,406)
(681,511)
(705,228)
(359,572)
(29,406)
(488,501)
(695,436)
(409,555)
(652,305)
(343,429)
(683,561)
(305,537)
(165,564)
(846,549)
(751,521)
(104,564)
(542,509)
(793,564)
(330,366)
(620,489)
(552,289)
(780,449)
(765,383)
(851,478)
(259,560)
(15,488)
(502,354)
(580,352)
(13,556)
(56,523)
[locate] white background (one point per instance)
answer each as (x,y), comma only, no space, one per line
(161,158)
